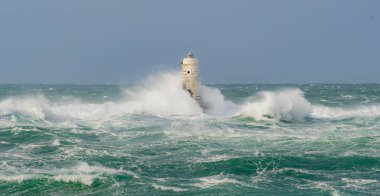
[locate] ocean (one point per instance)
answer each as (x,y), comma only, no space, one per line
(152,138)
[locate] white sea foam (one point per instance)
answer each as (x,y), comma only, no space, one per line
(84,173)
(17,178)
(209,181)
(80,172)
(86,179)
(359,181)
(34,106)
(56,142)
(215,102)
(162,95)
(168,188)
(287,104)
(215,158)
(319,111)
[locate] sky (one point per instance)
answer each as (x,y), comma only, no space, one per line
(242,41)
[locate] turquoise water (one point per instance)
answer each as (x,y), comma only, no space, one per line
(153,139)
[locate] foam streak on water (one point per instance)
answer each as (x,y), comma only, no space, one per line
(153,138)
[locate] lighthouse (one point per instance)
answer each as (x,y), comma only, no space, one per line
(190,76)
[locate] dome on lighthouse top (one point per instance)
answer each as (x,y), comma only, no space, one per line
(190,59)
(190,55)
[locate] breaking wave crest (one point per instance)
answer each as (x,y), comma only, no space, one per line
(81,172)
(287,104)
(162,95)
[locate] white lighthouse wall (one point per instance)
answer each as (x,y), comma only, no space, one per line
(190,61)
(190,76)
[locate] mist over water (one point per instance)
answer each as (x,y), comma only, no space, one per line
(153,138)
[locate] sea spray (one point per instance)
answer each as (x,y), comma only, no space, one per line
(286,104)
(33,106)
(214,102)
(162,95)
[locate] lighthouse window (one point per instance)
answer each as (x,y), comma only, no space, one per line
(188,72)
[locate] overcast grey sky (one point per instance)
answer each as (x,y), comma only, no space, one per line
(119,41)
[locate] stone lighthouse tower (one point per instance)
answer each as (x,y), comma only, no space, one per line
(190,76)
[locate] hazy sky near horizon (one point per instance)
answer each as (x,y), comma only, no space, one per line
(243,41)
